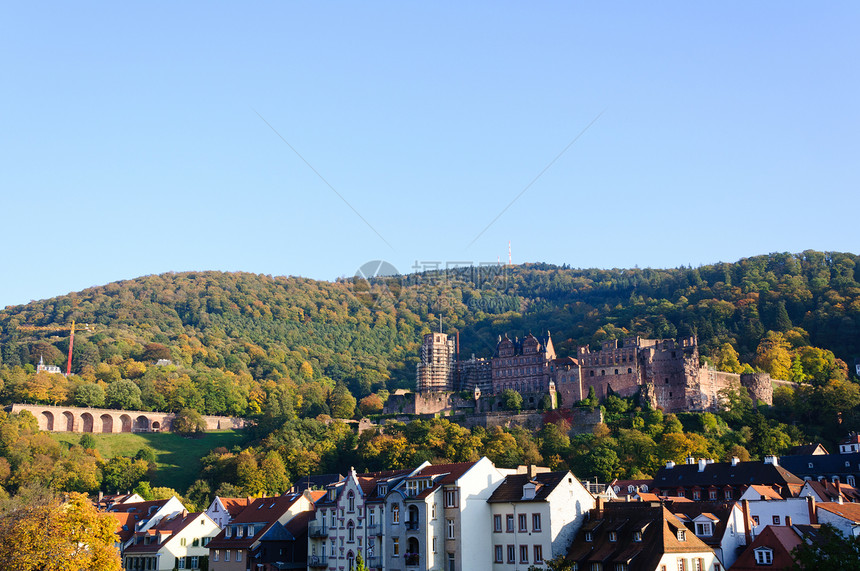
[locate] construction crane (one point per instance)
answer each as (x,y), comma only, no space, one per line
(70,328)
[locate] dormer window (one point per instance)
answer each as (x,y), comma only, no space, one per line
(613,536)
(764,556)
(637,536)
(383,489)
(682,535)
(588,536)
(705,529)
(228,532)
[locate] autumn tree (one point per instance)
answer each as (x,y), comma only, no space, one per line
(342,402)
(41,533)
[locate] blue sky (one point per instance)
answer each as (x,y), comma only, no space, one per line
(131,142)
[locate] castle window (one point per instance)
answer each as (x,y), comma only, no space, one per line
(590,373)
(616,371)
(602,372)
(629,370)
(667,380)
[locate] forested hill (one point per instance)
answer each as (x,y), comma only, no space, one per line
(243,342)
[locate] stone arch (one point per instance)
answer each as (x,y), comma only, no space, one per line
(156,426)
(86,422)
(68,421)
(141,424)
(107,423)
(125,421)
(46,420)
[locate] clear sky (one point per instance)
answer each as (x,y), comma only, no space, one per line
(132,141)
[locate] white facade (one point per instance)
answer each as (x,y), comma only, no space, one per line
(471,515)
(184,549)
(219,513)
(528,532)
(777,512)
(701,561)
(849,526)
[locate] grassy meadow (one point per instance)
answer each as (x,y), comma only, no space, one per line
(177,458)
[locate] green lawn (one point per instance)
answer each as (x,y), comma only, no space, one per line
(178,458)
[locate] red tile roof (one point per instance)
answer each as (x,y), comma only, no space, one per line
(164,529)
(265,511)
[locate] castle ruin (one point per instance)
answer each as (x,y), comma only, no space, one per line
(666,372)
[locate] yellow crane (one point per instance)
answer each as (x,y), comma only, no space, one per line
(70,328)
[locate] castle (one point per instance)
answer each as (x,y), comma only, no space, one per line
(667,373)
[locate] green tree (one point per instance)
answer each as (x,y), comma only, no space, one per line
(188,422)
(828,550)
(123,394)
(88,441)
(90,395)
(512,400)
(275,473)
(342,402)
(122,474)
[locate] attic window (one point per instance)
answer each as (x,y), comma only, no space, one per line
(637,536)
(810,464)
(682,535)
(764,556)
(613,536)
(705,529)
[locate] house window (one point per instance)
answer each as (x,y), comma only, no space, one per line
(535,522)
(497,523)
(755,520)
(538,552)
(217,553)
(524,553)
(180,562)
(226,555)
(588,536)
(498,554)
(350,531)
(698,564)
(433,510)
(728,494)
(763,556)
(682,565)
(333,519)
(350,500)
(712,494)
(512,554)
(371,516)
(395,514)
(613,536)
(238,555)
(776,520)
(395,547)
(851,481)
(523,522)
(705,529)
(637,536)
(451,529)
(697,495)
(682,535)
(509,523)
(452,562)
(434,544)
(450,498)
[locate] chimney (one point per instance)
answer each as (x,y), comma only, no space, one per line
(788,520)
(746,511)
(670,465)
(771,459)
(531,470)
(691,460)
(702,464)
(599,506)
(735,460)
(813,515)
(838,491)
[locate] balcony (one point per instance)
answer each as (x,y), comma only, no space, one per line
(317,561)
(317,530)
(412,525)
(412,559)
(374,529)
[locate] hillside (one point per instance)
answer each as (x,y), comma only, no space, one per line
(243,342)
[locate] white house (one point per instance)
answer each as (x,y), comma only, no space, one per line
(768,507)
(844,517)
(534,517)
(175,542)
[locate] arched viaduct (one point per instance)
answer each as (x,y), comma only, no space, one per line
(74,419)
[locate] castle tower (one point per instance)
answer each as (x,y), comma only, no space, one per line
(436,367)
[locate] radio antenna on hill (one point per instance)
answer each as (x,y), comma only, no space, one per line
(510,263)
